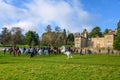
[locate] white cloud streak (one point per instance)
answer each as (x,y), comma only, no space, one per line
(68,15)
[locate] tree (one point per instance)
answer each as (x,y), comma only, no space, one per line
(64,37)
(31,38)
(70,38)
(49,38)
(5,36)
(106,31)
(48,28)
(57,29)
(95,32)
(118,26)
(116,44)
(17,37)
(53,38)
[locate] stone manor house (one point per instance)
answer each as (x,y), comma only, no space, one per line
(83,41)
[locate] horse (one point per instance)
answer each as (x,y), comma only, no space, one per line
(43,51)
(17,51)
(11,50)
(54,50)
(46,52)
(27,51)
(22,50)
(33,52)
(40,51)
(67,52)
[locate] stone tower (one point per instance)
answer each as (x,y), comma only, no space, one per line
(85,34)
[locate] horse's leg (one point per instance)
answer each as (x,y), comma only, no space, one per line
(10,52)
(40,52)
(68,56)
(71,55)
(19,53)
(31,54)
(14,53)
(47,53)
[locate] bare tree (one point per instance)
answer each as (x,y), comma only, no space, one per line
(5,36)
(17,37)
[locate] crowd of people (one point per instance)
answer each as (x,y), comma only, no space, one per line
(33,51)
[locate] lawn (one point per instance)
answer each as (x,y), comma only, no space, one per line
(58,67)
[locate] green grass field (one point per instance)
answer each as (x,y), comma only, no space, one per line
(58,67)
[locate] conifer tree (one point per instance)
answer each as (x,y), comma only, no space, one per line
(116,44)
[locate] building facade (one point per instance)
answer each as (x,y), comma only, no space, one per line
(82,41)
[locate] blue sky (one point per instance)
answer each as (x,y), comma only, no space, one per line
(73,15)
(107,11)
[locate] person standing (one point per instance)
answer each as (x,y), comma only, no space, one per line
(4,51)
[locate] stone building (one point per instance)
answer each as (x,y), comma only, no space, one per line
(82,41)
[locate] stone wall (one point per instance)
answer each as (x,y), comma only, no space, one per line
(77,42)
(109,40)
(98,51)
(80,42)
(98,42)
(83,42)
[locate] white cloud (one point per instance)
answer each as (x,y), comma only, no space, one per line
(10,11)
(24,25)
(71,17)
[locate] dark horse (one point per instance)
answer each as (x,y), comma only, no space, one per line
(15,51)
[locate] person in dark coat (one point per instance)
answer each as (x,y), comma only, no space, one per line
(4,50)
